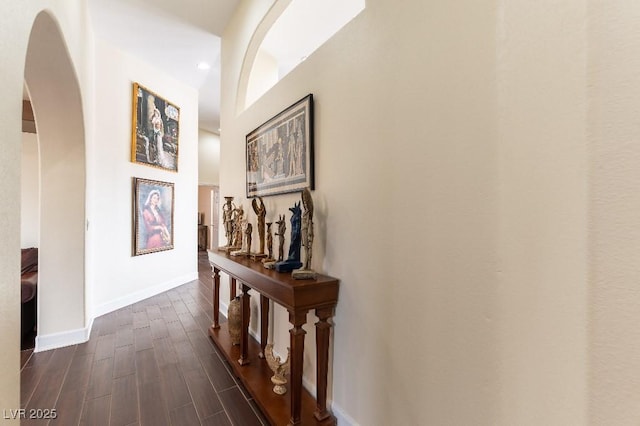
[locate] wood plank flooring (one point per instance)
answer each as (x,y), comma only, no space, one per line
(148,364)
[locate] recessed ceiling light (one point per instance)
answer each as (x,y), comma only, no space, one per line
(203,66)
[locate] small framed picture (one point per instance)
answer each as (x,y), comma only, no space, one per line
(152,216)
(280,152)
(156,127)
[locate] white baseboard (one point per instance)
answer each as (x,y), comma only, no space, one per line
(74,337)
(224,308)
(341,417)
(132,298)
(65,338)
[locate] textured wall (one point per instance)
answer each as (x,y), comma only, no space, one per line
(614,223)
(451,166)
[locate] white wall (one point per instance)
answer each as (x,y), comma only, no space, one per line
(51,80)
(459,148)
(450,201)
(208,158)
(614,222)
(542,233)
(264,74)
(108,160)
(405,207)
(121,278)
(208,178)
(17,21)
(30,188)
(105,149)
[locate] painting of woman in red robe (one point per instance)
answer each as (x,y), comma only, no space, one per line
(154,211)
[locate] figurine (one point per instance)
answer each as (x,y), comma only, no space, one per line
(227,219)
(238,218)
(280,369)
(269,241)
(282,228)
(307,238)
(261,212)
(248,229)
(269,259)
(245,230)
(293,261)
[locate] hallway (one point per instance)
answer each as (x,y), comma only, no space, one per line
(148,364)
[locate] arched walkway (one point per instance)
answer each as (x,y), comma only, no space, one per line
(57,104)
(286,36)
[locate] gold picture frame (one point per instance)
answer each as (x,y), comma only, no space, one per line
(155,130)
(152,216)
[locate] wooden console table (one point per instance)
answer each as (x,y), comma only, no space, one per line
(297,406)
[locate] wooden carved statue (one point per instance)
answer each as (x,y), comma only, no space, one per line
(261,213)
(307,238)
(269,240)
(282,228)
(238,218)
(242,236)
(248,229)
(280,369)
(307,227)
(269,260)
(227,219)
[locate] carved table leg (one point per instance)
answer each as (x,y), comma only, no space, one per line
(296,334)
(323,330)
(244,341)
(264,323)
(232,288)
(216,298)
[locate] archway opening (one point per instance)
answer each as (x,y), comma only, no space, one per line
(287,36)
(57,107)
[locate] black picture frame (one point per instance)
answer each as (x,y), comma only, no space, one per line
(279,153)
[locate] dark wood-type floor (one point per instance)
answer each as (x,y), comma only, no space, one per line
(148,364)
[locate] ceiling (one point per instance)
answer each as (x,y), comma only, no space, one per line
(174,36)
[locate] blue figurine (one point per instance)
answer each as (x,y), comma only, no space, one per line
(293,261)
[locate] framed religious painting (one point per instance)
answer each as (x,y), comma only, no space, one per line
(156,127)
(280,152)
(152,216)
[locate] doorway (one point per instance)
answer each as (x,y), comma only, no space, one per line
(29,226)
(208,205)
(53,89)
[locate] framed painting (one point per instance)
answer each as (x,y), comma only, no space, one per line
(280,152)
(156,127)
(152,216)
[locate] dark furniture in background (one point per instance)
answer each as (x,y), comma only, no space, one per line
(203,231)
(28,289)
(297,406)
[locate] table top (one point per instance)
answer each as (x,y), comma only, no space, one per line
(281,287)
